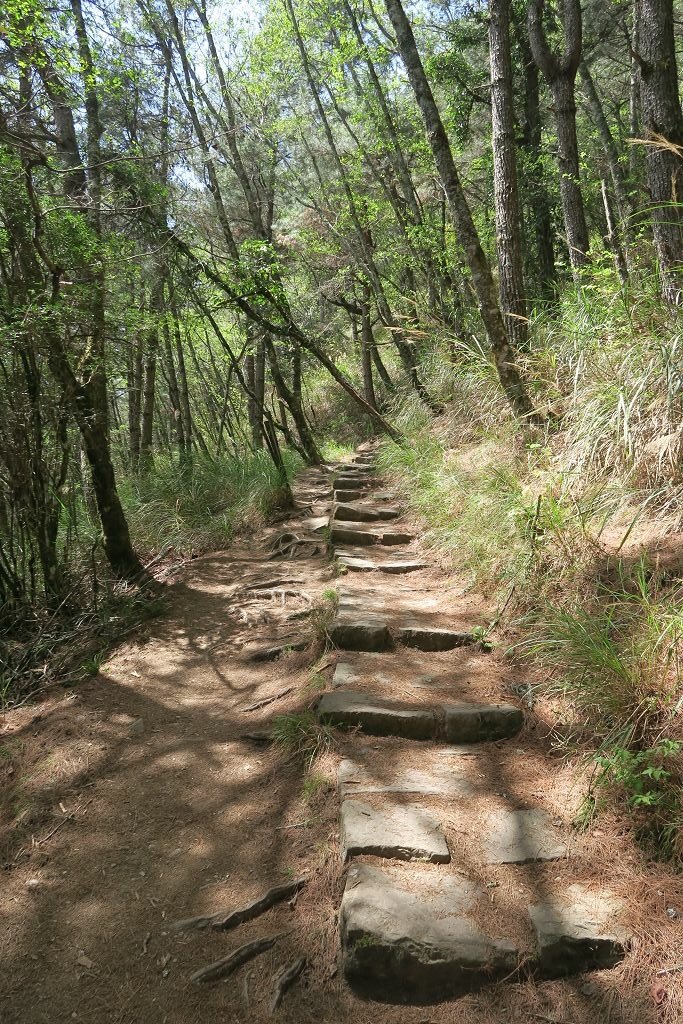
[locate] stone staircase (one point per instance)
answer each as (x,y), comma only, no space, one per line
(453,882)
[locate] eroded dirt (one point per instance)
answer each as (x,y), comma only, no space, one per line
(135,800)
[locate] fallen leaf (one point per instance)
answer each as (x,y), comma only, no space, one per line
(659,993)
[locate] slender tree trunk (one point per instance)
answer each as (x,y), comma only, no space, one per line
(482,278)
(173,391)
(149,385)
(508,220)
(134,401)
(560,74)
(543,271)
(663,122)
(90,399)
(595,108)
(404,348)
(295,407)
(259,389)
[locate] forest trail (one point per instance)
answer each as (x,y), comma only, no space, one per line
(152,794)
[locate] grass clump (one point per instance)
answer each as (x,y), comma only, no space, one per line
(301,735)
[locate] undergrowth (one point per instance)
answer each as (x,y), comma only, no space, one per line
(201,507)
(563,523)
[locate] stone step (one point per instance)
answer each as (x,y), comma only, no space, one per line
(368,634)
(520,837)
(462,723)
(378,563)
(351,710)
(416,945)
(578,931)
(354,778)
(415,939)
(355,513)
(346,494)
(341,534)
(403,832)
(434,638)
(476,723)
(356,481)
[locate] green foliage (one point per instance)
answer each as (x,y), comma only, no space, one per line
(201,506)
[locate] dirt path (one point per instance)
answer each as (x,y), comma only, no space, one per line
(138,799)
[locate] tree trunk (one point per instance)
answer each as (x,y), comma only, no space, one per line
(367,345)
(508,220)
(295,407)
(542,271)
(663,124)
(482,277)
(560,74)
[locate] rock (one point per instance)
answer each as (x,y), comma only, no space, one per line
(343,674)
(137,727)
(317,524)
(355,481)
(415,946)
(518,837)
(376,717)
(432,638)
(398,568)
(404,832)
(345,495)
(392,538)
(353,535)
(353,778)
(379,562)
(576,932)
(476,723)
(360,635)
(353,513)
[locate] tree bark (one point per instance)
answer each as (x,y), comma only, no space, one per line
(560,74)
(482,278)
(508,220)
(663,124)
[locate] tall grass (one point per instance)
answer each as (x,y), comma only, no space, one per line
(202,506)
(551,517)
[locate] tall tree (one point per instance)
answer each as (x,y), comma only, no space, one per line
(655,52)
(560,74)
(508,221)
(482,278)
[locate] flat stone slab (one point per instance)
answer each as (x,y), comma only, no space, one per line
(355,481)
(578,931)
(340,534)
(405,832)
(317,524)
(346,494)
(356,513)
(376,717)
(518,837)
(378,563)
(392,538)
(476,723)
(415,946)
(361,634)
(354,778)
(433,638)
(343,673)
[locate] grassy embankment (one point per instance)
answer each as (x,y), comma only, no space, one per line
(575,530)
